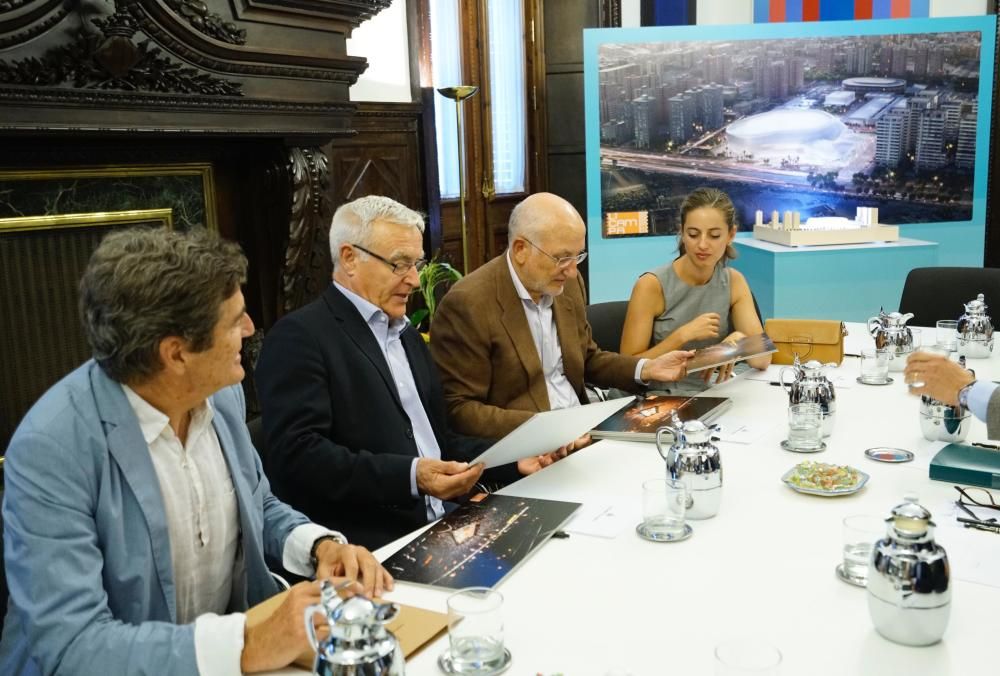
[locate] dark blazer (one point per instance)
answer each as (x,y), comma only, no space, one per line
(339,444)
(488,361)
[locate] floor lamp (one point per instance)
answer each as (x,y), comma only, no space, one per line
(458,94)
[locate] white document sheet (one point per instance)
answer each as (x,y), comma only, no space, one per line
(546,431)
(743,430)
(605,519)
(972,554)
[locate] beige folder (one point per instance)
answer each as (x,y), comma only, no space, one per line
(414,627)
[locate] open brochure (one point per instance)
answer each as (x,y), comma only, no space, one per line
(640,421)
(479,543)
(747,347)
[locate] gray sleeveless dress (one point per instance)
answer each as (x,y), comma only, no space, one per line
(685,302)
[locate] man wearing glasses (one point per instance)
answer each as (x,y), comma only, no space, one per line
(512,337)
(353,409)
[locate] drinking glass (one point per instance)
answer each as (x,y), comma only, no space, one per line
(860,533)
(664,503)
(475,631)
(947,334)
(743,656)
(874,366)
(805,426)
(930,349)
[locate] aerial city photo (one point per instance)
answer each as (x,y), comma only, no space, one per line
(817,125)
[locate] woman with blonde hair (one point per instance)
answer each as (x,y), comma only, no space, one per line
(695,300)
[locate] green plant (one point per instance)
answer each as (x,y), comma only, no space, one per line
(434,273)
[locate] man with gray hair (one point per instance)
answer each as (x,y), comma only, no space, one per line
(137,518)
(512,337)
(353,409)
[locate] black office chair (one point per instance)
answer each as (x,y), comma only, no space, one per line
(606,323)
(940,293)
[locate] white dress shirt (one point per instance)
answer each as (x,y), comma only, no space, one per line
(204,528)
(542,323)
(387,334)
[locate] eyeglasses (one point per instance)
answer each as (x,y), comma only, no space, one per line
(980,497)
(563,262)
(400,268)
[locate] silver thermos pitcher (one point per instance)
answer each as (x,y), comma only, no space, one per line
(695,460)
(909,589)
(359,643)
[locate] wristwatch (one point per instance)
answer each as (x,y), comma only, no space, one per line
(339,539)
(963,394)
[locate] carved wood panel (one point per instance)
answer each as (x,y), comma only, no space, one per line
(384,157)
(178,65)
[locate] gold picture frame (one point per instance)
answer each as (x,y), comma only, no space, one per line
(120,178)
(162,217)
(41,260)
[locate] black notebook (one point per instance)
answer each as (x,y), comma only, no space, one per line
(479,543)
(640,421)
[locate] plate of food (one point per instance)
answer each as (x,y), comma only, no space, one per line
(820,478)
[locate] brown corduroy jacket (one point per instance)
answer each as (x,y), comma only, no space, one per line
(489,366)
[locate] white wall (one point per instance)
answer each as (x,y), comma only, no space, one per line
(383,41)
(958,7)
(709,11)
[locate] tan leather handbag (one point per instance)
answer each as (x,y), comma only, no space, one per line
(819,339)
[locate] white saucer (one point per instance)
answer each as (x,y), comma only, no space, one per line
(658,537)
(887,381)
(445,664)
(844,577)
(785,445)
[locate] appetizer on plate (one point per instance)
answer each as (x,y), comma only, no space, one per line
(820,478)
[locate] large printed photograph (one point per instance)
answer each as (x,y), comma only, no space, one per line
(816,125)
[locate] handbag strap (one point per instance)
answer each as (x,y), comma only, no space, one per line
(801,340)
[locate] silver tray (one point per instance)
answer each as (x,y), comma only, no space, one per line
(864,477)
(888,454)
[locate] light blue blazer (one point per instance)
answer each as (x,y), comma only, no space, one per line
(85,535)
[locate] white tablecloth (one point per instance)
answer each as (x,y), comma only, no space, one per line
(763,567)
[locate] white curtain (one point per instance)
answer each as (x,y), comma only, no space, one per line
(446,65)
(507,93)
(505,19)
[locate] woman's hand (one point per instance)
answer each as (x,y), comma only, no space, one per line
(702,327)
(725,371)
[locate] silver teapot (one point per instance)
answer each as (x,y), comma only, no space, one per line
(975,330)
(909,592)
(892,335)
(694,459)
(810,385)
(942,422)
(359,643)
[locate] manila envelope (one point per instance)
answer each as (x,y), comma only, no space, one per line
(413,627)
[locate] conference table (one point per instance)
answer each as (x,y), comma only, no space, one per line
(762,569)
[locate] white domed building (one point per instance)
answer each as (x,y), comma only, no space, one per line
(815,137)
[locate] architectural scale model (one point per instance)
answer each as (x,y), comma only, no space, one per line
(826,230)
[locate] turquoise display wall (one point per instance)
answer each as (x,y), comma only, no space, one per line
(616,263)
